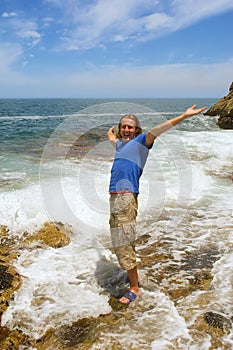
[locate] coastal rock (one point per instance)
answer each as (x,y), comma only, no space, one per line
(82,334)
(224,109)
(215,325)
(177,279)
(217,320)
(54,235)
(10,280)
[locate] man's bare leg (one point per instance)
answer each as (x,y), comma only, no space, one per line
(133,282)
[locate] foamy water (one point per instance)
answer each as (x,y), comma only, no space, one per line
(186,197)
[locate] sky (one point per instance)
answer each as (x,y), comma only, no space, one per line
(116,48)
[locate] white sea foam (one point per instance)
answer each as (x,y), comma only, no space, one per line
(59,286)
(22,210)
(223,286)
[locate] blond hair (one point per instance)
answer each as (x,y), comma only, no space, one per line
(136,121)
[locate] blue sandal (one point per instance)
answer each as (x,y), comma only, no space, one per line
(130,296)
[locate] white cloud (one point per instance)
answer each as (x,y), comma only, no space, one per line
(9,14)
(33,36)
(102,21)
(191,11)
(90,24)
(157,20)
(47,21)
(21,27)
(199,8)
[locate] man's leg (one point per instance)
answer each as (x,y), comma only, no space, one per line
(133,281)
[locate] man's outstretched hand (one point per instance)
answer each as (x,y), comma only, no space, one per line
(193,111)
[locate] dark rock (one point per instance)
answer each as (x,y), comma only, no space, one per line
(224,109)
(225,122)
(5,278)
(218,321)
(79,332)
(203,258)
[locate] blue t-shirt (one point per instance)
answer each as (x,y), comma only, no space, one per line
(130,159)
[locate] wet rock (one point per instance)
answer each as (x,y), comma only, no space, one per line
(10,281)
(5,277)
(179,289)
(213,324)
(7,243)
(203,258)
(177,279)
(225,172)
(55,235)
(12,340)
(10,343)
(224,109)
(201,280)
(4,235)
(82,335)
(79,332)
(217,320)
(160,269)
(154,252)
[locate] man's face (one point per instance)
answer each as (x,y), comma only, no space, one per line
(127,129)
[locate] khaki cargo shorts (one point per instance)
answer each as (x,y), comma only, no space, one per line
(123,213)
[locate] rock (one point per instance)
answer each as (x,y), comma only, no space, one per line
(217,320)
(215,325)
(82,334)
(225,122)
(55,235)
(176,278)
(224,109)
(10,280)
(82,331)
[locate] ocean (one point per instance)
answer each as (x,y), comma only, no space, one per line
(55,166)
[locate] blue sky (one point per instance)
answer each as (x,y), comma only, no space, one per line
(116,48)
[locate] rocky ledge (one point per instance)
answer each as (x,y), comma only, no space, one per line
(224,109)
(54,235)
(176,279)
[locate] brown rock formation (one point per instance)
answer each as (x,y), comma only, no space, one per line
(55,235)
(52,234)
(224,109)
(192,274)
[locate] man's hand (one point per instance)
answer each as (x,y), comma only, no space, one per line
(111,136)
(193,111)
